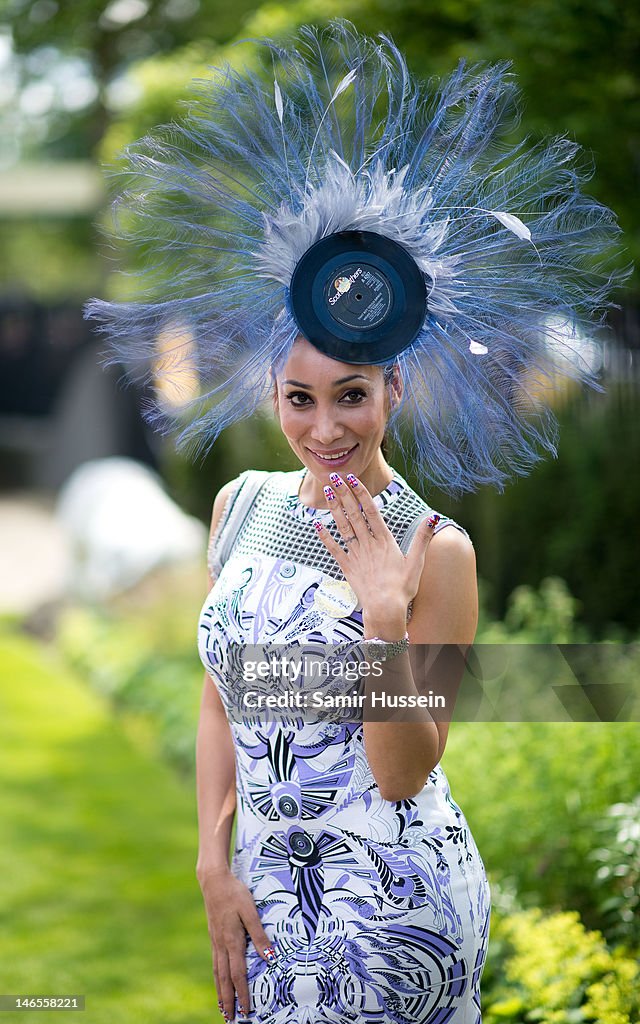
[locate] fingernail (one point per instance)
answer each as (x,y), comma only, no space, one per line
(353,480)
(318,525)
(434,519)
(269,953)
(242,1010)
(335,479)
(329,493)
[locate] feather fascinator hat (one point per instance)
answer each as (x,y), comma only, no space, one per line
(388,221)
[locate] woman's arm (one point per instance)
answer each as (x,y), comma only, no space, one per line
(215,784)
(445,611)
(231,910)
(215,759)
(442,585)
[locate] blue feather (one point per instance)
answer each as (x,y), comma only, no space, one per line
(222,206)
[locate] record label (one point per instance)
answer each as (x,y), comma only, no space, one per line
(359,296)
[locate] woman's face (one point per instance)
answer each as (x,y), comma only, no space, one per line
(333,414)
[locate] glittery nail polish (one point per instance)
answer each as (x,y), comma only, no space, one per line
(329,493)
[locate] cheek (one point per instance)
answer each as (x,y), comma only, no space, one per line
(291,425)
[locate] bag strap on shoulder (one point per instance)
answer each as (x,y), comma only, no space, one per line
(240,503)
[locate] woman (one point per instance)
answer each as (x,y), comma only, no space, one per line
(371,241)
(366,882)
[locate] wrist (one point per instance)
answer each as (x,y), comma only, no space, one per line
(379,649)
(206,870)
(390,624)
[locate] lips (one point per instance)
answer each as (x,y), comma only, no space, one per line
(337,457)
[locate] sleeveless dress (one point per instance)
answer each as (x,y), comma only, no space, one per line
(378,910)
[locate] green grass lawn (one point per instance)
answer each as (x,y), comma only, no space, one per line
(98,893)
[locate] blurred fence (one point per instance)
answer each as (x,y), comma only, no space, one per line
(58,407)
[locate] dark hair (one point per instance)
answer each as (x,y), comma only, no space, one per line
(388,377)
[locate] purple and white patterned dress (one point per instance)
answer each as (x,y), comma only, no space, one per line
(378,910)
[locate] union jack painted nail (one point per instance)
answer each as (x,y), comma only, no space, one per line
(353,480)
(329,493)
(318,525)
(270,954)
(434,519)
(336,480)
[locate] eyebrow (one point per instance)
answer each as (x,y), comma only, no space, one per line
(343,380)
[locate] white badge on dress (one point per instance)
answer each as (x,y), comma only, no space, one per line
(335,598)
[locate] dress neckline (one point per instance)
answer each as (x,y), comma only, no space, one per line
(306,512)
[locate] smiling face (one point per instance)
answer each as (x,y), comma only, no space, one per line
(334,416)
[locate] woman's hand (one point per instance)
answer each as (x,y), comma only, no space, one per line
(384,580)
(231,914)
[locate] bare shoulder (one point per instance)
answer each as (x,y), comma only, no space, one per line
(449,543)
(450,562)
(445,609)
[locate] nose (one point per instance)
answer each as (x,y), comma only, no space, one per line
(326,429)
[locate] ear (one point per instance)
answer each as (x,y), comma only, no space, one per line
(396,386)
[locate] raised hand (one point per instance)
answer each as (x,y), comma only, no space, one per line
(384,579)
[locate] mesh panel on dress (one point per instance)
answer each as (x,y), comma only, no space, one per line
(275,528)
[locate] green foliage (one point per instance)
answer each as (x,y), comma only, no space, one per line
(258,439)
(550,968)
(98,854)
(140,654)
(543,616)
(576,65)
(46,258)
(533,793)
(574,517)
(617,879)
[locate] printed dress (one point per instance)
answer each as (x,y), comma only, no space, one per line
(378,910)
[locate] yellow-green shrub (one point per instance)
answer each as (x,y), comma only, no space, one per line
(550,968)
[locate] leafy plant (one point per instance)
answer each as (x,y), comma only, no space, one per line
(617,878)
(550,968)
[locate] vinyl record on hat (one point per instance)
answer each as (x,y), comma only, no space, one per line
(358,297)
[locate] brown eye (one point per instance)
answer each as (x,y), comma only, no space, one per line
(354,396)
(296,395)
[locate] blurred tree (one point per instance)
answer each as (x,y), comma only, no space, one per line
(576,63)
(110,70)
(106,38)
